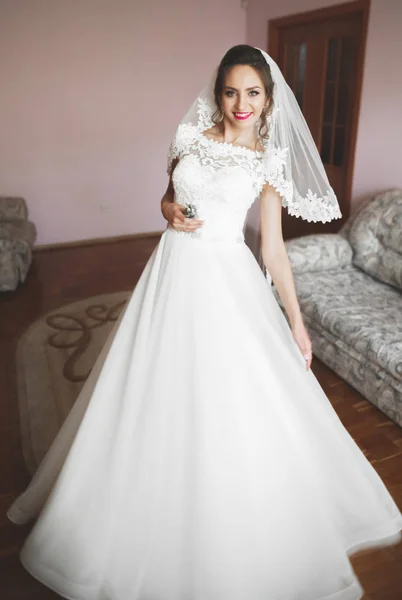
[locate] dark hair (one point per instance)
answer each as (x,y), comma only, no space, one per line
(244,55)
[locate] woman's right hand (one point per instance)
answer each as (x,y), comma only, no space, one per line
(173,213)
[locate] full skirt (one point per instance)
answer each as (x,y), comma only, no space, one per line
(201,460)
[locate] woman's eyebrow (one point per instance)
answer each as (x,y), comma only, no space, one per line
(229,87)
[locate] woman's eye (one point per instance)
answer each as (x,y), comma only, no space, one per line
(230,93)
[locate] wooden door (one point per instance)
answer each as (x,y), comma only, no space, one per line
(321,56)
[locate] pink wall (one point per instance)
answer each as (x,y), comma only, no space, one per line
(92,91)
(378,163)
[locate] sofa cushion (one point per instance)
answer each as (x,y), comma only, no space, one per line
(376,238)
(376,384)
(319,252)
(9,274)
(23,232)
(363,313)
(13,208)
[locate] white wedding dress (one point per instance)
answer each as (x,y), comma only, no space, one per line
(202,461)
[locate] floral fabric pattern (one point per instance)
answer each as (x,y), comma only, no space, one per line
(355,318)
(17,236)
(319,252)
(268,166)
(376,238)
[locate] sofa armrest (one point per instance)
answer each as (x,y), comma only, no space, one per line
(13,208)
(18,231)
(319,252)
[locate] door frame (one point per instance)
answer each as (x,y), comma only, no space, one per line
(362,8)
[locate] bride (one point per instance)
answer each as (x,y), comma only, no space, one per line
(230,477)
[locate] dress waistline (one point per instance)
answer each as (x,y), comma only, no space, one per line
(206,236)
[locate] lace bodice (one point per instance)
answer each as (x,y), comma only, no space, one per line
(221,180)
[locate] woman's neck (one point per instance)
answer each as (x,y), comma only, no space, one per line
(243,137)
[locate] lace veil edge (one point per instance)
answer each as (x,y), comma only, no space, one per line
(293,166)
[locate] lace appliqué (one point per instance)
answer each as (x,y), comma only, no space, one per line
(214,155)
(204,112)
(182,141)
(309,207)
(312,208)
(262,166)
(186,132)
(272,171)
(222,155)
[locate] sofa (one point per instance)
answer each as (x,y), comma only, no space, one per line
(17,236)
(349,286)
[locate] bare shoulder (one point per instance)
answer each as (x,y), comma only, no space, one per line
(213,133)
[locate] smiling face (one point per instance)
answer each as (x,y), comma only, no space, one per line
(243,97)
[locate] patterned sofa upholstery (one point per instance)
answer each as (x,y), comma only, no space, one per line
(350,290)
(17,236)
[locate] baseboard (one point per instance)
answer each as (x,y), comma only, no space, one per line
(94,241)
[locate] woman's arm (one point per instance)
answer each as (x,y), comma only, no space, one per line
(173,212)
(168,197)
(277,263)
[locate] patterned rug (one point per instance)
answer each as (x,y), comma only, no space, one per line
(54,357)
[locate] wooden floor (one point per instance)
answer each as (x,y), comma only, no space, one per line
(64,275)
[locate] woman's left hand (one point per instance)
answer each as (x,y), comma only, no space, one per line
(303,340)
